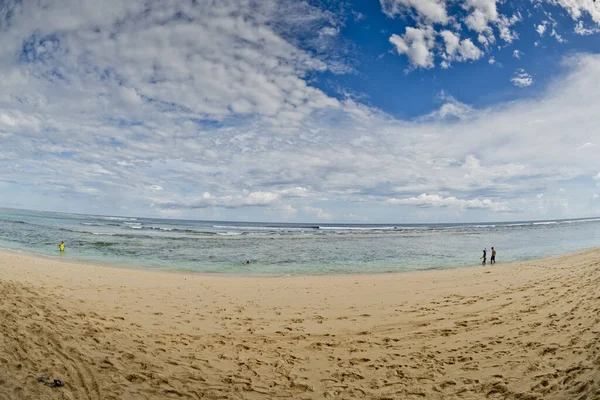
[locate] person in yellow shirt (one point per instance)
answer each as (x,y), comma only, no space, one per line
(61,246)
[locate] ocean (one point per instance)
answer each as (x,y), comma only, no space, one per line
(287,249)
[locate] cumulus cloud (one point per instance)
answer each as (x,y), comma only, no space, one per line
(482,12)
(434,200)
(483,22)
(459,50)
(522,79)
(416,43)
(468,51)
(452,42)
(419,43)
(517,53)
(482,15)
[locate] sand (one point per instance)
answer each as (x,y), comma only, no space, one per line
(528,330)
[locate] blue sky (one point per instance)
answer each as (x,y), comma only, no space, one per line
(353,111)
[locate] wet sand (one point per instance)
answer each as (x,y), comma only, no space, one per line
(527,330)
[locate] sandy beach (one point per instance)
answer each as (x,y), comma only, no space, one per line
(528,330)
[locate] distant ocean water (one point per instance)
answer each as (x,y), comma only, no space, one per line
(281,249)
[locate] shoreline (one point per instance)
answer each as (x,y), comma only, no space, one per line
(527,330)
(109,265)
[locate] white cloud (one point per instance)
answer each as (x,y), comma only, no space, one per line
(434,200)
(329,31)
(319,213)
(597,178)
(556,36)
(261,198)
(252,199)
(522,79)
(486,38)
(517,54)
(416,44)
(431,10)
(541,28)
(596,196)
(452,42)
(482,12)
(492,60)
(459,50)
(581,30)
(450,109)
(468,51)
(504,25)
(579,8)
(482,18)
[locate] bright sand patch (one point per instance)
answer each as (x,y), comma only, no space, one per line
(521,331)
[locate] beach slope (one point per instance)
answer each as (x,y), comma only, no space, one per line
(528,330)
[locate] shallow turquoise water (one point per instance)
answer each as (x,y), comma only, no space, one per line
(222,247)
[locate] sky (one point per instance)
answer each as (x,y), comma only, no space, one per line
(300,111)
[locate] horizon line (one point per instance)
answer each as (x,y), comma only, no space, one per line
(307,223)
